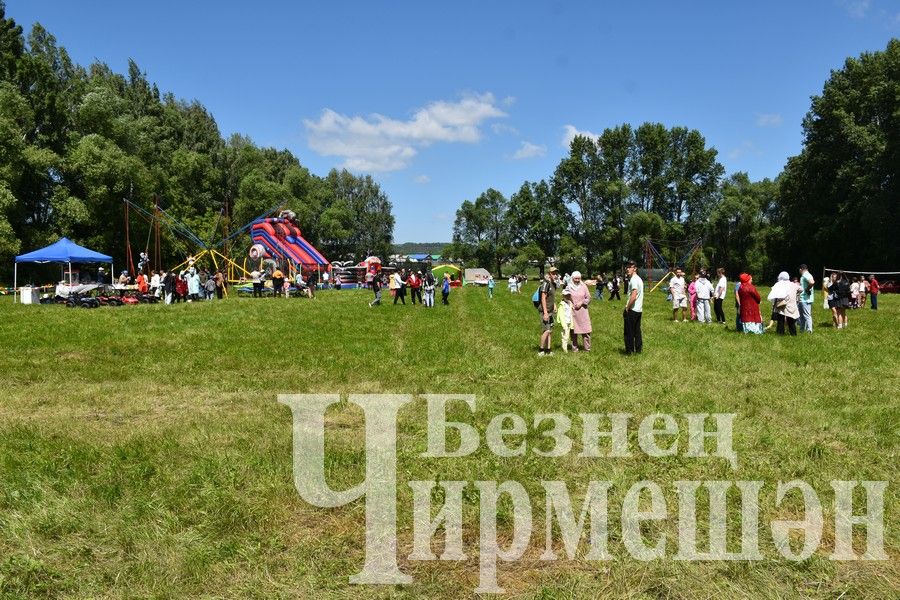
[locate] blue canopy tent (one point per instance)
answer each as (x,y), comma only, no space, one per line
(63,251)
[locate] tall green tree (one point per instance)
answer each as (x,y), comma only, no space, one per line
(574,182)
(481,231)
(839,196)
(537,219)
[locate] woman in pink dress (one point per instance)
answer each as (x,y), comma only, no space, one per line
(581,318)
(692,296)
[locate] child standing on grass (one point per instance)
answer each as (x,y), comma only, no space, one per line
(692,297)
(445,290)
(491,287)
(564,319)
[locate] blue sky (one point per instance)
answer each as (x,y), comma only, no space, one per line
(441,100)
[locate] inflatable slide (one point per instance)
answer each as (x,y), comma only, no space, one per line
(281,239)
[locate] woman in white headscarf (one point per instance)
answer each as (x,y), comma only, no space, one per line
(784,296)
(581,318)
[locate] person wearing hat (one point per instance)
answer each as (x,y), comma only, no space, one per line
(546,299)
(749,299)
(277,282)
(101,275)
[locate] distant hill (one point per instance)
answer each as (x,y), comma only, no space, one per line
(420,247)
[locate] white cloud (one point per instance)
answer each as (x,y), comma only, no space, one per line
(529,150)
(380,143)
(571,131)
(423,179)
(855,8)
(509,101)
(746,147)
(501,128)
(768,119)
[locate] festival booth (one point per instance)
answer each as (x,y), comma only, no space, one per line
(476,277)
(453,270)
(66,252)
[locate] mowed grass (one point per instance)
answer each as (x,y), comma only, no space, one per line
(143,452)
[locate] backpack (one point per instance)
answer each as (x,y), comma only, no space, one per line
(536,297)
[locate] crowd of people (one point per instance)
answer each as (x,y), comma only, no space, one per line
(700,301)
(420,287)
(187,285)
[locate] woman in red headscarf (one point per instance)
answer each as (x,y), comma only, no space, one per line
(749,298)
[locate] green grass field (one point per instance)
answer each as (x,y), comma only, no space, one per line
(143,452)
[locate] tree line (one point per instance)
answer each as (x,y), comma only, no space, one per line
(835,205)
(76,141)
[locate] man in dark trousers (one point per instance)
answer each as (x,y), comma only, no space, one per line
(634,308)
(376,287)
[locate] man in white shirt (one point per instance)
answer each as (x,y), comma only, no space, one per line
(678,289)
(719,296)
(634,307)
(704,290)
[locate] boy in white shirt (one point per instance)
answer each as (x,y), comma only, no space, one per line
(678,289)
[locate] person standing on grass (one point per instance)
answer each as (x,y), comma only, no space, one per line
(749,299)
(807,286)
(415,287)
(490,287)
(692,296)
(256,280)
(546,306)
(277,282)
(154,284)
(142,285)
(719,295)
(400,285)
(874,290)
(220,284)
(841,289)
(831,297)
(784,298)
(393,286)
(614,290)
(863,291)
(376,287)
(210,288)
(634,307)
(428,287)
(180,288)
(581,318)
(679,295)
(564,318)
(704,290)
(168,283)
(854,292)
(737,307)
(193,283)
(445,290)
